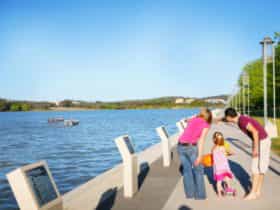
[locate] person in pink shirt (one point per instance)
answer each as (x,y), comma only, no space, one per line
(190,149)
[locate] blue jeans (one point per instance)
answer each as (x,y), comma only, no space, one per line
(194,185)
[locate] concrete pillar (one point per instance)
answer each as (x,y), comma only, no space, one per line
(165,144)
(34,188)
(184,123)
(130,165)
(180,127)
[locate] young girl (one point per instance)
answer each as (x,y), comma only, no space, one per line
(222,172)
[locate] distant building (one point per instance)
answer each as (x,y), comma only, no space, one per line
(189,100)
(180,100)
(76,102)
(215,101)
(184,100)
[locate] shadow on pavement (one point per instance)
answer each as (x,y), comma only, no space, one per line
(144,170)
(210,176)
(241,175)
(233,142)
(183,207)
(239,172)
(274,170)
(107,199)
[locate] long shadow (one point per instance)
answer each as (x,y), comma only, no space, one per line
(234,141)
(250,154)
(144,170)
(275,160)
(274,170)
(184,207)
(107,199)
(241,175)
(208,171)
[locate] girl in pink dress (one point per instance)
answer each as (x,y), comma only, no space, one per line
(222,172)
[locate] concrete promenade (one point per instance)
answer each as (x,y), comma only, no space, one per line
(162,188)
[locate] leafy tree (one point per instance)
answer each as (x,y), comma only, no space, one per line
(277,36)
(255,71)
(4,105)
(66,103)
(25,107)
(15,107)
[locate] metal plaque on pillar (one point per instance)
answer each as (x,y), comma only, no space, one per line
(34,187)
(130,165)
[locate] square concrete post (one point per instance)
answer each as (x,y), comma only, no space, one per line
(34,188)
(130,165)
(180,127)
(184,123)
(165,145)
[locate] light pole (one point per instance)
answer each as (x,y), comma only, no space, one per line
(248,94)
(274,84)
(245,82)
(266,43)
(243,95)
(239,100)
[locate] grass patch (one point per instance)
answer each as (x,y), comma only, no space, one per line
(275,141)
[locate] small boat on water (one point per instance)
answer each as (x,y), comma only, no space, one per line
(55,120)
(71,122)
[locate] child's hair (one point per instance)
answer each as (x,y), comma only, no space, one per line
(218,139)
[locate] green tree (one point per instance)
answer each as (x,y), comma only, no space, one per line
(66,103)
(15,107)
(277,36)
(255,71)
(4,106)
(25,107)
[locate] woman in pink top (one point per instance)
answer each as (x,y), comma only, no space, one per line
(190,148)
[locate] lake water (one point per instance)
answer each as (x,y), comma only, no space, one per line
(75,154)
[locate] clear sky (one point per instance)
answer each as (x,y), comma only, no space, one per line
(115,50)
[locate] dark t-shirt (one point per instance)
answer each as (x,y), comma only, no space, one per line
(243,123)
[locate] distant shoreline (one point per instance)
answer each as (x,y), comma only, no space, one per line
(74,105)
(69,109)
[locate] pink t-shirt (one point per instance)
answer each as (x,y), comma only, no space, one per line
(193,130)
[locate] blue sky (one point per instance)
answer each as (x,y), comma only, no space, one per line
(115,50)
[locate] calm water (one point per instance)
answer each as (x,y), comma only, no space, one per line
(75,154)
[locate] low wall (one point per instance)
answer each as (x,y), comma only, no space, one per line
(88,195)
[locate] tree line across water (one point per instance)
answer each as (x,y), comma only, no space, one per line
(14,106)
(156,103)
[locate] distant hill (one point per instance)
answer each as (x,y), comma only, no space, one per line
(169,102)
(224,97)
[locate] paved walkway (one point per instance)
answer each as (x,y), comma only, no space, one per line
(162,188)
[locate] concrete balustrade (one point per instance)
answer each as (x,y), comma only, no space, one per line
(180,127)
(166,149)
(130,165)
(34,187)
(184,122)
(88,196)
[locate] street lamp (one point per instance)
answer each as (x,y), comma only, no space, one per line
(266,44)
(274,84)
(239,100)
(245,84)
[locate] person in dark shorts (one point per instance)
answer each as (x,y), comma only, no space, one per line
(261,148)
